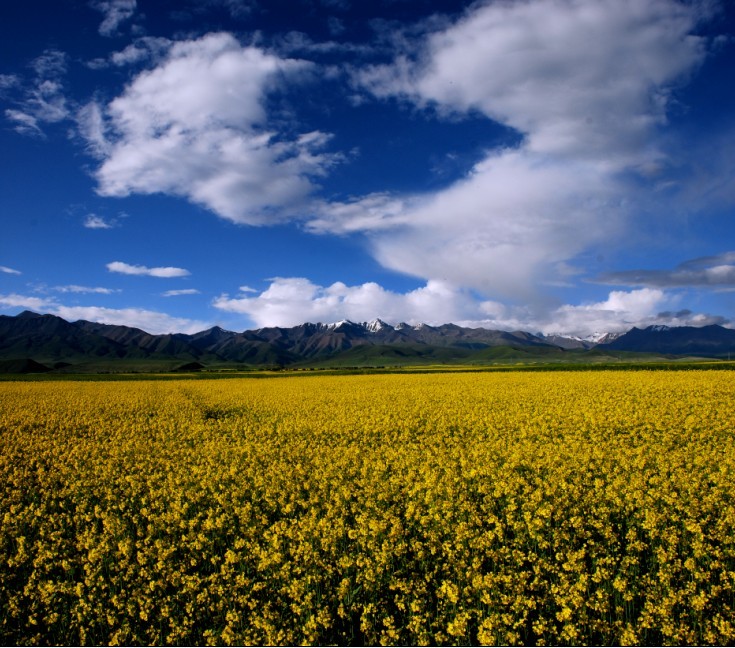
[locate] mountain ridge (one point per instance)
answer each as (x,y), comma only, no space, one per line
(50,340)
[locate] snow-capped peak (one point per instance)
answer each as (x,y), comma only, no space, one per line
(375,325)
(658,327)
(603,337)
(344,322)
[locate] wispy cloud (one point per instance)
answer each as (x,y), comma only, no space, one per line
(93,221)
(11,271)
(150,321)
(704,272)
(73,288)
(163,272)
(142,50)
(14,300)
(178,293)
(196,126)
(8,81)
(190,9)
(43,100)
(115,13)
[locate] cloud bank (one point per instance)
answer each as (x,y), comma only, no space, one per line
(150,321)
(289,301)
(705,272)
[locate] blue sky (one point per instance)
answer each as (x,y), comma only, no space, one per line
(557,166)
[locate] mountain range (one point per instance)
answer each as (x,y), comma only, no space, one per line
(31,342)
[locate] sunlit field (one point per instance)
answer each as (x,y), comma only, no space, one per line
(513,508)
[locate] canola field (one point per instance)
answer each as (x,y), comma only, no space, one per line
(513,508)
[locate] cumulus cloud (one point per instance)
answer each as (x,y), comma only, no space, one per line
(7,270)
(151,321)
(163,272)
(294,300)
(619,312)
(196,126)
(705,272)
(289,301)
(115,13)
(585,83)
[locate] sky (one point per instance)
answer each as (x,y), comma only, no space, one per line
(554,166)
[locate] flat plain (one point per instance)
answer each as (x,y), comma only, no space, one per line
(585,507)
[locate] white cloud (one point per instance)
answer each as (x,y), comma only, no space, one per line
(44,100)
(163,272)
(115,13)
(8,81)
(177,293)
(619,312)
(73,288)
(506,228)
(97,222)
(236,8)
(706,272)
(291,301)
(51,64)
(25,124)
(585,82)
(582,77)
(150,321)
(91,127)
(7,270)
(13,300)
(142,49)
(196,126)
(294,300)
(374,212)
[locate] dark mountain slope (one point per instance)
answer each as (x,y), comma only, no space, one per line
(51,338)
(713,340)
(48,340)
